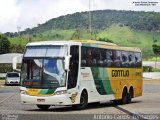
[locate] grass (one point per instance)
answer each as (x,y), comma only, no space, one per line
(156,70)
(154,59)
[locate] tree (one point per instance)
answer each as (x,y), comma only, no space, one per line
(156,50)
(4,44)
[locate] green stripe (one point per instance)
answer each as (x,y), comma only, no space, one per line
(101,80)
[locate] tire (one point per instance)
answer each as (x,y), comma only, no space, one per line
(83,101)
(124,97)
(43,107)
(116,102)
(130,96)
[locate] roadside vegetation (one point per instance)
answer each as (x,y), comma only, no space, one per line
(150,69)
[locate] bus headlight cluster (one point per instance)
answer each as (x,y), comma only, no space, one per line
(23,92)
(61,92)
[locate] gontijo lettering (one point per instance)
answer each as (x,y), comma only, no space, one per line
(120,73)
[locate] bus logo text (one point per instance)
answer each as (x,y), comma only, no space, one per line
(120,73)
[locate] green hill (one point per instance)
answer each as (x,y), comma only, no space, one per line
(101,19)
(121,35)
(126,28)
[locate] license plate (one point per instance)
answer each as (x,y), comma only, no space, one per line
(40,100)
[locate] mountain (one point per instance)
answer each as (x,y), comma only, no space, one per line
(101,19)
(125,28)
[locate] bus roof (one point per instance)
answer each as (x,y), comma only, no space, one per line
(62,42)
(96,42)
(53,42)
(99,44)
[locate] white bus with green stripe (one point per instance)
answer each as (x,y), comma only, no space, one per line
(79,72)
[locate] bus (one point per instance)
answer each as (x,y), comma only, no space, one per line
(79,72)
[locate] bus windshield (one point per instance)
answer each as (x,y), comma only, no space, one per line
(43,67)
(43,73)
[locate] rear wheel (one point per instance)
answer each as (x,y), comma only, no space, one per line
(83,101)
(130,96)
(124,96)
(43,107)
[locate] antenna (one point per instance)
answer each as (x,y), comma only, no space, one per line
(90,22)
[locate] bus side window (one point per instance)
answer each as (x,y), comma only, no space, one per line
(138,61)
(99,58)
(107,58)
(83,56)
(89,57)
(131,58)
(94,61)
(117,60)
(125,59)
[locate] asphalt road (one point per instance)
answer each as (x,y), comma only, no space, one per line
(148,104)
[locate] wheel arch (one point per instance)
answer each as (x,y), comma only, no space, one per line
(125,88)
(84,90)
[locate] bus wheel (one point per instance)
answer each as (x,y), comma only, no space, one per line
(130,96)
(116,102)
(124,97)
(83,101)
(43,107)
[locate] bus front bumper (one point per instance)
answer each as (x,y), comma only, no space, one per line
(46,100)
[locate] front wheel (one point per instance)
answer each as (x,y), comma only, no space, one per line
(43,107)
(83,101)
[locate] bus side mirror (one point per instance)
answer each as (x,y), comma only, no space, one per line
(67,59)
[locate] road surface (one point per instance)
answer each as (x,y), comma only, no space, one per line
(141,107)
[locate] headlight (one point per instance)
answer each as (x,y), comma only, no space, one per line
(23,92)
(61,92)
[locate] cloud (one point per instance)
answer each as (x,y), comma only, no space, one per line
(9,13)
(43,10)
(29,13)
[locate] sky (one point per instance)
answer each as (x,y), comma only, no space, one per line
(21,14)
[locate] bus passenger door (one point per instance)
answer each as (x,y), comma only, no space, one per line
(73,70)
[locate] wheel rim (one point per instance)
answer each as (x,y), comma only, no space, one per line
(82,101)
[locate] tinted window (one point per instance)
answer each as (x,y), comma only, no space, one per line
(116,58)
(13,75)
(131,59)
(138,60)
(98,57)
(125,61)
(83,56)
(107,57)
